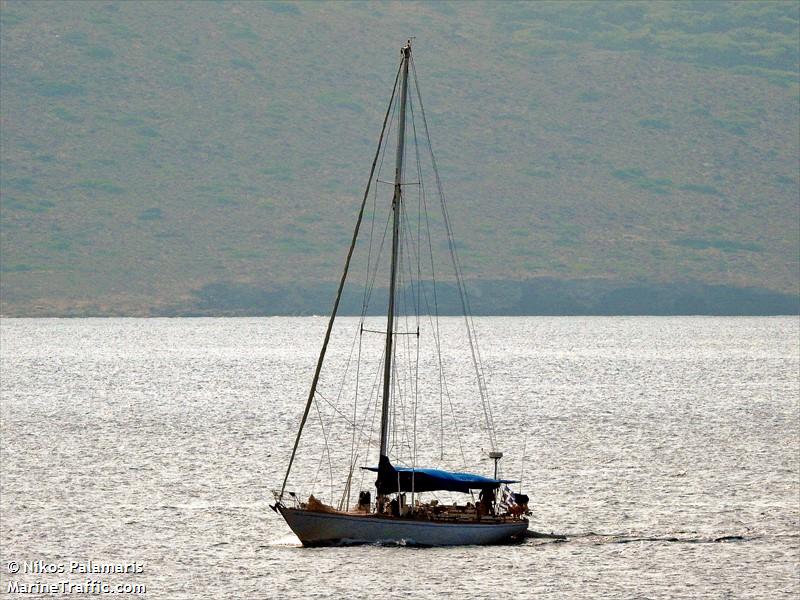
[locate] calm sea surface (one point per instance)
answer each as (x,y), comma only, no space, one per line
(666,450)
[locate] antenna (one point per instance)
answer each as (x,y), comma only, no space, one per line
(495,456)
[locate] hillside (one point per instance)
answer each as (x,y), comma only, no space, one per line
(209,158)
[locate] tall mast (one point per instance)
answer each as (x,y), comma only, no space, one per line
(398,193)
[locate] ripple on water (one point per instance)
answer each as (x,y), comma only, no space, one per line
(664,450)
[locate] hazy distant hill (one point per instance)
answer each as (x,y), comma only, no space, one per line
(209,158)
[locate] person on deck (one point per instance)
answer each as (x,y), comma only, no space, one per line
(485,505)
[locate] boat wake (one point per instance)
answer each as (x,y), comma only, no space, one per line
(288,541)
(589,538)
(599,539)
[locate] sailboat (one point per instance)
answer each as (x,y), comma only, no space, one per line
(492,513)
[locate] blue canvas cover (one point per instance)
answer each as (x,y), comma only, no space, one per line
(392,479)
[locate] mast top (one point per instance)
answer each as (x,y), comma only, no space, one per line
(406,50)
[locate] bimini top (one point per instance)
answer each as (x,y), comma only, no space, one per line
(402,479)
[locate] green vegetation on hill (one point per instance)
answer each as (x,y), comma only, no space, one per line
(155,155)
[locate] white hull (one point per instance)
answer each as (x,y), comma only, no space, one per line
(322,528)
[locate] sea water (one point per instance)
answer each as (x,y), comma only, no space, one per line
(143,452)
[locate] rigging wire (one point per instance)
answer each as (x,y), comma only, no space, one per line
(419,291)
(373,395)
(375,270)
(327,448)
(405,263)
(355,404)
(436,332)
(463,296)
(344,417)
(443,388)
(404,394)
(338,296)
(393,106)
